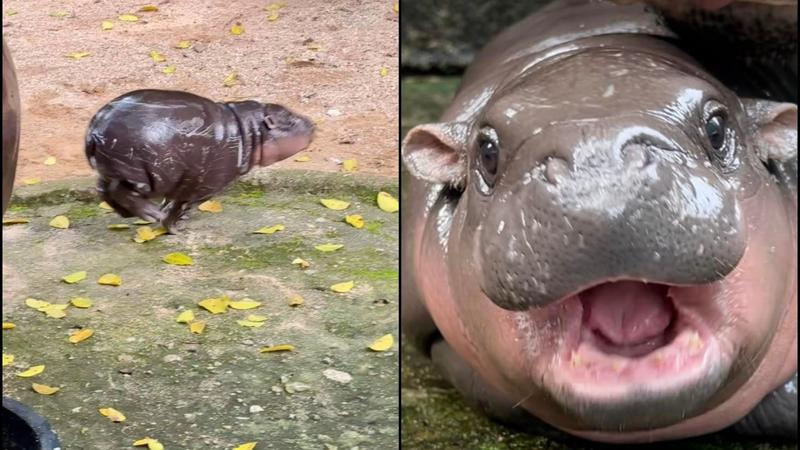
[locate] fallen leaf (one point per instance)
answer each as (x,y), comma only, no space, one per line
(396,7)
(106,206)
(231,79)
(215,305)
(387,203)
(61,222)
(197,327)
(36,304)
(8,326)
(82,335)
(169,70)
(142,222)
(314,46)
(157,57)
(59,14)
(274,6)
(183,44)
(211,206)
(110,279)
(296,300)
(44,389)
(270,230)
(255,318)
(246,446)
(32,180)
(74,277)
(149,8)
(15,221)
(278,348)
(128,18)
(78,55)
(119,226)
(272,16)
(237,29)
(349,165)
(343,287)
(50,161)
(302,263)
(54,311)
(179,259)
(55,307)
(303,158)
(328,247)
(152,444)
(8,360)
(112,414)
(106,25)
(355,220)
(244,304)
(384,71)
(145,234)
(32,372)
(382,344)
(250,324)
(185,317)
(11,12)
(81,302)
(334,204)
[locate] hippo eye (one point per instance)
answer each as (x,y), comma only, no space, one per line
(716,131)
(488,155)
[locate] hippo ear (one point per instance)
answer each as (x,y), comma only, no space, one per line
(775,134)
(436,152)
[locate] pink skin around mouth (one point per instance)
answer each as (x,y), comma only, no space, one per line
(280,149)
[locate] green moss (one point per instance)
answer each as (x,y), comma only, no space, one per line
(375,275)
(83,212)
(270,254)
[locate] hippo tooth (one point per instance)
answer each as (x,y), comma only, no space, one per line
(576,360)
(694,341)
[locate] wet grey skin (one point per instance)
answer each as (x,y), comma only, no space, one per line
(584,147)
(183,148)
(11,125)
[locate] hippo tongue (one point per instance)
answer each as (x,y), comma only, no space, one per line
(627,313)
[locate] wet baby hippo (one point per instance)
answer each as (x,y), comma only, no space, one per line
(184,149)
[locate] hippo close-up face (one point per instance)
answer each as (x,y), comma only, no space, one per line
(615,251)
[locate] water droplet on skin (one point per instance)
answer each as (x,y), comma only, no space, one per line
(656,256)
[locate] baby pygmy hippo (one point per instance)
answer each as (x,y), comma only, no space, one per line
(184,148)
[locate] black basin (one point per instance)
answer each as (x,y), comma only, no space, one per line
(24,429)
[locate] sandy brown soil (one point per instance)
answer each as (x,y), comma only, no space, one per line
(316,57)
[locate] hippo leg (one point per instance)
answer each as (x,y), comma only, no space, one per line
(127,201)
(775,416)
(174,211)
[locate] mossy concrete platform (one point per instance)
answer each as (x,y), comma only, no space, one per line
(214,390)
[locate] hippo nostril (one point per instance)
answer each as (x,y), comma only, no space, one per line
(636,155)
(555,169)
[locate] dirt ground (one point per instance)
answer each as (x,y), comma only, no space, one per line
(334,61)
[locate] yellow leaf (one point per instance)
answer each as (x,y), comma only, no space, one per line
(183,44)
(269,230)
(61,222)
(349,165)
(32,372)
(382,344)
(169,70)
(396,7)
(185,317)
(106,25)
(215,305)
(128,18)
(237,29)
(302,263)
(328,247)
(8,359)
(59,14)
(106,206)
(245,304)
(79,55)
(15,221)
(36,304)
(152,444)
(8,326)
(355,220)
(303,158)
(55,307)
(32,180)
(74,277)
(119,226)
(296,300)
(11,12)
(142,222)
(148,8)
(387,203)
(82,335)
(334,204)
(50,161)
(314,46)
(112,414)
(211,206)
(274,6)
(145,233)
(247,446)
(54,311)
(43,389)
(342,287)
(179,259)
(157,57)
(255,318)
(230,79)
(384,71)
(110,279)
(278,348)
(81,302)
(197,327)
(272,16)
(250,324)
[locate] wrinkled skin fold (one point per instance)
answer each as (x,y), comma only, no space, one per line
(601,235)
